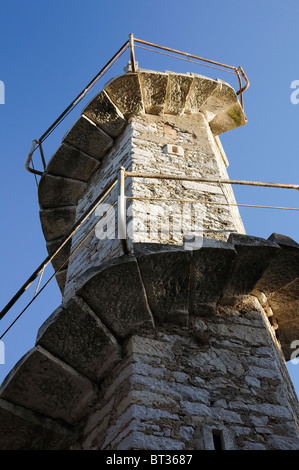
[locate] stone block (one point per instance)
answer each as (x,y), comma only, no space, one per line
(177,92)
(57,191)
(125,92)
(116,294)
(150,347)
(200,90)
(221,99)
(74,334)
(165,276)
(210,270)
(86,136)
(154,88)
(70,162)
(253,257)
(282,269)
(56,223)
(103,112)
(229,119)
(22,429)
(42,383)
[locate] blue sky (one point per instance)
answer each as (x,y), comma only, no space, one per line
(49,51)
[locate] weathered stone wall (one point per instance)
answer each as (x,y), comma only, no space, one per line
(176,387)
(143,148)
(198,155)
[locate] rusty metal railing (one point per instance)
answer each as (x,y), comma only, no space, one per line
(130,44)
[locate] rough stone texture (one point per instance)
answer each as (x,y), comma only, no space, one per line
(210,271)
(201,89)
(123,306)
(70,162)
(44,384)
(21,429)
(56,223)
(166,277)
(178,384)
(60,260)
(280,285)
(254,256)
(231,118)
(74,334)
(55,191)
(85,135)
(125,92)
(177,92)
(154,89)
(105,114)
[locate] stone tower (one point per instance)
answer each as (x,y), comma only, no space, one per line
(175,326)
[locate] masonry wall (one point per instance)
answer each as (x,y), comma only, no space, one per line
(177,387)
(195,209)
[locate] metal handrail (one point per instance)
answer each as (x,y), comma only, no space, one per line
(128,44)
(214,62)
(136,174)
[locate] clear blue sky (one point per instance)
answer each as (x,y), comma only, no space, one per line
(50,50)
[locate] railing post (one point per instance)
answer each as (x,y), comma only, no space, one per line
(132,53)
(29,158)
(121,211)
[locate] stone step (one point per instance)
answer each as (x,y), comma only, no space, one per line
(44,384)
(283,269)
(75,335)
(154,89)
(77,346)
(210,272)
(22,429)
(58,191)
(125,92)
(103,112)
(177,93)
(57,223)
(86,136)
(166,276)
(253,257)
(115,293)
(201,89)
(70,162)
(61,279)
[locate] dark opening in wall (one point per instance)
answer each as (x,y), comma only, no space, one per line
(217,439)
